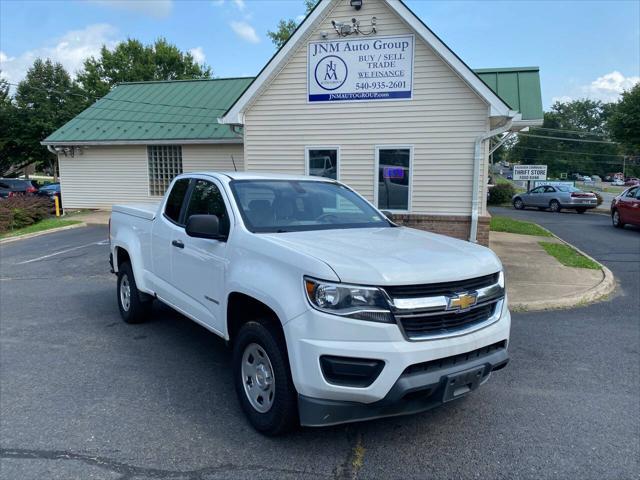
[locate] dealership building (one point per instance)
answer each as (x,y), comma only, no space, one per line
(363,92)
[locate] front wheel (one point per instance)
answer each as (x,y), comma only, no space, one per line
(518,204)
(615,219)
(133,309)
(554,206)
(262,378)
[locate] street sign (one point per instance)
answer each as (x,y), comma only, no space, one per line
(529,172)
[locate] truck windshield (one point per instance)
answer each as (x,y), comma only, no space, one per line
(275,206)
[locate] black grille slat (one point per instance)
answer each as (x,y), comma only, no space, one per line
(445,288)
(447,322)
(454,359)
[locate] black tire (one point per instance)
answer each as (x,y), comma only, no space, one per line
(581,210)
(615,219)
(518,204)
(137,309)
(554,206)
(282,415)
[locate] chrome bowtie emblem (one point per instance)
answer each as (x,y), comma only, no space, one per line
(462,301)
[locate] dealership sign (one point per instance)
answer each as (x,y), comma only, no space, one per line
(361,69)
(529,172)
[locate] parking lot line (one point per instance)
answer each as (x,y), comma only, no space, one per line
(43,257)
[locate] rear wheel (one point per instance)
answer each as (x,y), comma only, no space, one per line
(581,210)
(133,309)
(615,219)
(262,378)
(554,206)
(518,204)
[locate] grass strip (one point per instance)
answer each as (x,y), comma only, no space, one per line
(568,256)
(509,225)
(46,224)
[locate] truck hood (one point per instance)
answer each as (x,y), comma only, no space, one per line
(392,256)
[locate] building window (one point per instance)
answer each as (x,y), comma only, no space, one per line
(393,176)
(322,162)
(165,163)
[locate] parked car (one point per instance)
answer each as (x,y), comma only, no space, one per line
(555,198)
(16,186)
(630,182)
(50,190)
(625,208)
(509,177)
(334,313)
(617,182)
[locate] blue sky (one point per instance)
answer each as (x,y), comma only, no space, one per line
(583,48)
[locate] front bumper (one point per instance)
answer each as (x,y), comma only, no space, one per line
(413,392)
(314,334)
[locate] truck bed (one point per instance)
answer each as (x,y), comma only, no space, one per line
(145,211)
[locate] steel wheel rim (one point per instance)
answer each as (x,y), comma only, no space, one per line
(616,218)
(257,378)
(125,293)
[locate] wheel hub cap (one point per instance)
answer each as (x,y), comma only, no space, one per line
(125,293)
(257,378)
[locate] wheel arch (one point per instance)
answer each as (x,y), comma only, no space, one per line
(242,308)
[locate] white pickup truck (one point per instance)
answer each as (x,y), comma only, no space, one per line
(335,314)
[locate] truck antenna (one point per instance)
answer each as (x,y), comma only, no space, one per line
(234,164)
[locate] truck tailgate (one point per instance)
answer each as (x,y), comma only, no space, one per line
(140,210)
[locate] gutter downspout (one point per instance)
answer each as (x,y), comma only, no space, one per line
(473,234)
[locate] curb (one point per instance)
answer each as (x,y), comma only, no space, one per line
(606,286)
(38,234)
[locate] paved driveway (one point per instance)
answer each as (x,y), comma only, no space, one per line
(83,395)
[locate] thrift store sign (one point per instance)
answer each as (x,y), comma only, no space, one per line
(362,69)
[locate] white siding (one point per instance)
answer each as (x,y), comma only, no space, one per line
(441,122)
(105,175)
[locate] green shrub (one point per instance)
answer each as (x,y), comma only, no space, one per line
(501,193)
(21,211)
(598,197)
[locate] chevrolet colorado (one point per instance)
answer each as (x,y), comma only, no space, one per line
(335,314)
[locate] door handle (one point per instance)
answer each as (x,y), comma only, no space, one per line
(177,243)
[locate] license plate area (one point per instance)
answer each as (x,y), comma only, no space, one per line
(461,383)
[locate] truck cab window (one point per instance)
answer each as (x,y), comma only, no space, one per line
(206,199)
(176,198)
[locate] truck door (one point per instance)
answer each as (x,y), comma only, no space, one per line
(164,231)
(199,266)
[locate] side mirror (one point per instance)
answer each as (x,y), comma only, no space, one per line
(204,226)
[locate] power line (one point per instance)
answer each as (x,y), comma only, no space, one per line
(571,153)
(567,139)
(571,131)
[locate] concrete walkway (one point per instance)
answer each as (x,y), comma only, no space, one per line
(92,217)
(537,281)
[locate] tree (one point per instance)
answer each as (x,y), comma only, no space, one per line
(588,156)
(287,27)
(131,61)
(624,123)
(7,127)
(46,99)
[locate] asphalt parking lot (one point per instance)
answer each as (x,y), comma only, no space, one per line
(83,395)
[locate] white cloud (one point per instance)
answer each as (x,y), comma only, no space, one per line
(153,8)
(561,99)
(609,87)
(240,4)
(245,31)
(70,50)
(198,54)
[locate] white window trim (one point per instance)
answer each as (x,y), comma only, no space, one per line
(322,147)
(376,175)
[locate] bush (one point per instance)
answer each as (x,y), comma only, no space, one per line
(501,193)
(598,197)
(22,211)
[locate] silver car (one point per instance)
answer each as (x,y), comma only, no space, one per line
(555,198)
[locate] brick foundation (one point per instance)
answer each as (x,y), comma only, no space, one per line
(456,226)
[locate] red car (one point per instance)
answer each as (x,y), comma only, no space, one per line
(625,208)
(630,182)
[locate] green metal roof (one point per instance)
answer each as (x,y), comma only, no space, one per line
(518,87)
(188,109)
(152,111)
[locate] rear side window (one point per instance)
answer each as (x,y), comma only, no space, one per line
(175,200)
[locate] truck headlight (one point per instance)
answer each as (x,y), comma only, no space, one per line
(353,301)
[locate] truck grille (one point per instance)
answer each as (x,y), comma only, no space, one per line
(445,323)
(445,288)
